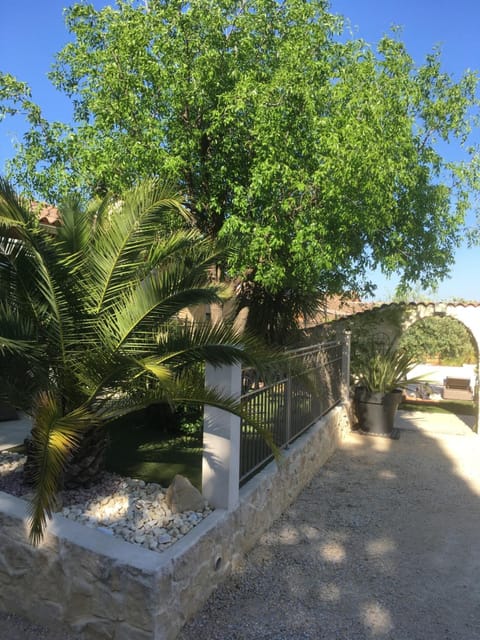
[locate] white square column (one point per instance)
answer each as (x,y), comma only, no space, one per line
(221,440)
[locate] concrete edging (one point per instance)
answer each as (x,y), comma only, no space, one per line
(105,588)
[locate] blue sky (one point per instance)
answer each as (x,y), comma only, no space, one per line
(32,31)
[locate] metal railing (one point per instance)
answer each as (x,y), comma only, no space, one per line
(288,401)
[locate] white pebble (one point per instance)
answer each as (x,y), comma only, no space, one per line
(130,509)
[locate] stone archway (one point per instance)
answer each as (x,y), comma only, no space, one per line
(395,318)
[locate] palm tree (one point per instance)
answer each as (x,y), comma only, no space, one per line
(89,326)
(276,316)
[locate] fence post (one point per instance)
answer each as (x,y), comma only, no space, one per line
(221,440)
(347,338)
(476,397)
(288,424)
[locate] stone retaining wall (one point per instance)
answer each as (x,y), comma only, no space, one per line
(105,588)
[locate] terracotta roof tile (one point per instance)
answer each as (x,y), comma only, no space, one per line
(47,214)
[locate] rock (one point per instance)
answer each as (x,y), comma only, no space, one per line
(106,530)
(127,508)
(183,496)
(193,518)
(164,538)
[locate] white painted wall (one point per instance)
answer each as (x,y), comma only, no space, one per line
(437,373)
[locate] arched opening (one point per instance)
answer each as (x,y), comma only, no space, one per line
(440,340)
(447,353)
(393,320)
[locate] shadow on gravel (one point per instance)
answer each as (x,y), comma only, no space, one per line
(384,544)
(447,422)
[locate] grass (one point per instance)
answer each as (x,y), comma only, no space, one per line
(144,452)
(458,407)
(141,449)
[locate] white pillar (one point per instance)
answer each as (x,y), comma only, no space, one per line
(221,440)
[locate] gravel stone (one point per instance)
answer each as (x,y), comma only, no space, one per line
(130,509)
(383,545)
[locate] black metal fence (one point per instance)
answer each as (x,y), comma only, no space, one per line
(286,402)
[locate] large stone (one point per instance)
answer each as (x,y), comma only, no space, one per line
(183,496)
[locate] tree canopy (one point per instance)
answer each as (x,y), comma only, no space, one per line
(314,155)
(442,339)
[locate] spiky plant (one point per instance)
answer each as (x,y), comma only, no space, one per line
(88,328)
(382,367)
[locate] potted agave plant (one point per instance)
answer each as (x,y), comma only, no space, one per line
(380,374)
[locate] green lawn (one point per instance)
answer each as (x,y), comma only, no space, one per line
(140,449)
(154,446)
(147,453)
(458,407)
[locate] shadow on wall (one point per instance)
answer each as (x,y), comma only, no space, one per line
(382,545)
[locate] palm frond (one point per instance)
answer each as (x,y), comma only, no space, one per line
(219,344)
(54,436)
(17,332)
(39,284)
(155,301)
(13,210)
(74,234)
(49,280)
(155,367)
(123,240)
(91,299)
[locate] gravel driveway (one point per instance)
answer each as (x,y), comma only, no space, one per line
(384,544)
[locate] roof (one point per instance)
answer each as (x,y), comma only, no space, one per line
(427,303)
(336,307)
(47,213)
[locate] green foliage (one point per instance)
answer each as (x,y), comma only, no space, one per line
(441,339)
(407,293)
(379,324)
(88,320)
(380,366)
(314,156)
(14,95)
(139,449)
(457,407)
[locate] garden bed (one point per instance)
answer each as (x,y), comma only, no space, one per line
(105,588)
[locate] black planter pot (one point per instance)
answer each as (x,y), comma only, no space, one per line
(375,410)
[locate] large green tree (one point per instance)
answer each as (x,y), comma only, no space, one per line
(89,328)
(315,155)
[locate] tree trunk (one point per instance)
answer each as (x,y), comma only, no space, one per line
(86,462)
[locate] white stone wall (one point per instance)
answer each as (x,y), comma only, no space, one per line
(106,588)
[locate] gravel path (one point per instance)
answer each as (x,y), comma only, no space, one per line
(15,628)
(383,545)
